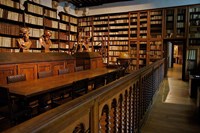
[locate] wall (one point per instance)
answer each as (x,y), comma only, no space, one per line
(136,5)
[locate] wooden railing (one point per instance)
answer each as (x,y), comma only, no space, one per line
(117,107)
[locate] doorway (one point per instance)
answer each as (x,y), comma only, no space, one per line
(175,53)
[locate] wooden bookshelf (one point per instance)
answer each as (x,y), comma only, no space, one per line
(155,50)
(194,25)
(143,25)
(181,22)
(64,33)
(11,20)
(101,35)
(156,23)
(118,35)
(85,30)
(169,23)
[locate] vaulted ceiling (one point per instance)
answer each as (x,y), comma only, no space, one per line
(88,3)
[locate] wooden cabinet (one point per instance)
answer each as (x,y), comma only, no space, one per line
(89,60)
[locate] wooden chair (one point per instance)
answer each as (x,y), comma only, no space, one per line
(99,81)
(9,110)
(63,71)
(45,74)
(79,68)
(45,99)
(32,103)
(61,95)
(16,78)
(79,88)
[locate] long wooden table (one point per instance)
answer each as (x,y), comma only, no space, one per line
(41,86)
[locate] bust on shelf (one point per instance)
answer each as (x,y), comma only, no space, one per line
(24,42)
(45,41)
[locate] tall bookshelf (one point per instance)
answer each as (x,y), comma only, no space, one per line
(85,28)
(64,32)
(34,20)
(118,35)
(169,25)
(156,23)
(175,23)
(101,35)
(143,25)
(134,54)
(73,30)
(181,22)
(11,20)
(52,23)
(142,51)
(155,50)
(194,25)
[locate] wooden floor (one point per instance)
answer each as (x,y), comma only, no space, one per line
(173,111)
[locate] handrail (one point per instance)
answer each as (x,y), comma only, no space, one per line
(120,105)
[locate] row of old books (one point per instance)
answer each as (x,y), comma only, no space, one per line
(50,23)
(5,14)
(9,29)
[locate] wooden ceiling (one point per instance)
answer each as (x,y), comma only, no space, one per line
(88,3)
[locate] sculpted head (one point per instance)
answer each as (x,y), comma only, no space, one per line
(24,32)
(47,33)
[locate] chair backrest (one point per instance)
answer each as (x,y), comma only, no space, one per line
(79,68)
(80,87)
(16,78)
(63,71)
(45,74)
(99,81)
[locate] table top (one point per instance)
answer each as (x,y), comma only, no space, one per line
(44,85)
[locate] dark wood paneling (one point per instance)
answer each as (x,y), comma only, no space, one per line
(56,66)
(30,69)
(7,70)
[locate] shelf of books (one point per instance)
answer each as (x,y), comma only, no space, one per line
(169,23)
(52,23)
(73,28)
(34,20)
(85,28)
(64,32)
(155,50)
(143,58)
(101,36)
(156,23)
(143,24)
(194,25)
(11,20)
(134,54)
(134,25)
(181,22)
(118,35)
